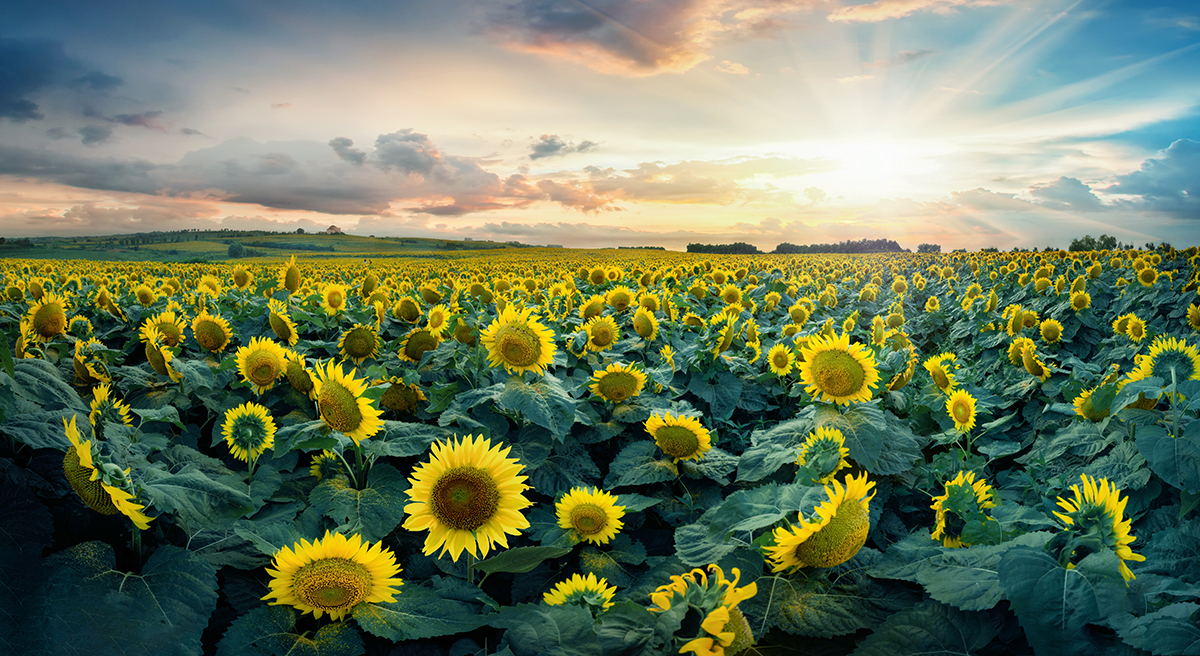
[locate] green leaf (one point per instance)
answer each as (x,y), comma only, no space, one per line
(771,449)
(1054,604)
(967,578)
(637,464)
(44,430)
(1168,631)
(400,439)
(6,356)
(40,382)
(630,629)
(729,525)
(421,612)
(633,502)
(865,429)
(715,464)
(307,436)
(929,628)
(533,630)
(270,631)
(87,606)
(373,511)
(520,559)
(194,497)
(545,403)
(1150,387)
(1175,459)
(168,414)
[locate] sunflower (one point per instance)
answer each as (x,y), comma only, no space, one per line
(1147,277)
(964,498)
(619,298)
(325,465)
(261,363)
(712,601)
(93,485)
(333,575)
(837,371)
(158,355)
(781,359)
(105,408)
(105,302)
(290,277)
(1094,519)
(1051,330)
(1193,316)
(209,286)
(837,530)
(961,408)
(298,375)
(824,453)
(1016,348)
(80,327)
(333,298)
(407,310)
(416,343)
(437,320)
(211,331)
(48,317)
(249,430)
(932,304)
(682,438)
(1169,357)
(1033,364)
(400,397)
(342,404)
(589,515)
(242,277)
(1080,301)
(145,295)
(941,373)
(799,314)
(588,592)
(645,325)
(359,343)
(468,496)
(170,326)
(517,341)
(1136,330)
(618,383)
(1084,407)
(281,322)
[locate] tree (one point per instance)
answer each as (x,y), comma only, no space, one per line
(236,249)
(299,231)
(929,248)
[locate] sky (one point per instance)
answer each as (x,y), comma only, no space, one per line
(601,123)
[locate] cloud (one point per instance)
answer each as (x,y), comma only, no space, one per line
(698,181)
(342,146)
(1167,183)
(93,135)
(881,10)
(1067,194)
(733,68)
(31,67)
(901,58)
(144,119)
(635,37)
(407,151)
(814,194)
(280,105)
(97,81)
(984,199)
(552,145)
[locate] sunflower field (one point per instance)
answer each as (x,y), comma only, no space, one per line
(588,453)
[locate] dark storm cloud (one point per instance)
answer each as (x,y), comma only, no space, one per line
(1168,183)
(552,145)
(108,174)
(342,146)
(26,68)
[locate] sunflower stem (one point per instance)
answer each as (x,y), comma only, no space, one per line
(349,469)
(470,567)
(135,542)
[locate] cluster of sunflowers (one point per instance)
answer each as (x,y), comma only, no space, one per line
(836,332)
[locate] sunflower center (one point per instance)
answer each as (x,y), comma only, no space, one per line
(617,386)
(281,328)
(263,367)
(1137,330)
(837,373)
(210,335)
(780,359)
(335,298)
(399,397)
(418,343)
(601,335)
(1050,333)
(339,407)
(588,519)
(298,377)
(332,584)
(170,332)
(80,478)
(50,320)
(838,540)
(360,343)
(677,441)
(643,325)
(518,344)
(619,301)
(409,310)
(465,498)
(241,278)
(962,411)
(155,357)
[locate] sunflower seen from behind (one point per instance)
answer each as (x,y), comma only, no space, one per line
(715,625)
(823,454)
(832,534)
(1094,520)
(342,405)
(836,371)
(333,575)
(517,341)
(1170,358)
(589,515)
(618,383)
(468,496)
(589,592)
(107,407)
(963,500)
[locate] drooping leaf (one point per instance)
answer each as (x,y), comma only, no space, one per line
(640,463)
(400,439)
(929,628)
(270,631)
(544,403)
(532,630)
(771,449)
(423,612)
(1168,631)
(519,559)
(1175,459)
(195,497)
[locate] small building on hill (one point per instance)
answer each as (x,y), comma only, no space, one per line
(333,230)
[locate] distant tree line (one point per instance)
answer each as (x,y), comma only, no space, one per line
(283,245)
(848,246)
(645,248)
(1101,243)
(736,248)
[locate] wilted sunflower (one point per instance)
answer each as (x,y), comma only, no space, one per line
(359,343)
(645,325)
(781,359)
(680,437)
(261,363)
(963,499)
(590,515)
(49,317)
(342,405)
(824,453)
(416,343)
(588,592)
(87,480)
(961,408)
(517,341)
(89,365)
(400,397)
(836,371)
(249,430)
(620,382)
(837,530)
(1169,355)
(468,496)
(281,322)
(290,277)
(1095,519)
(211,331)
(1051,330)
(170,326)
(333,575)
(106,407)
(941,372)
(333,298)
